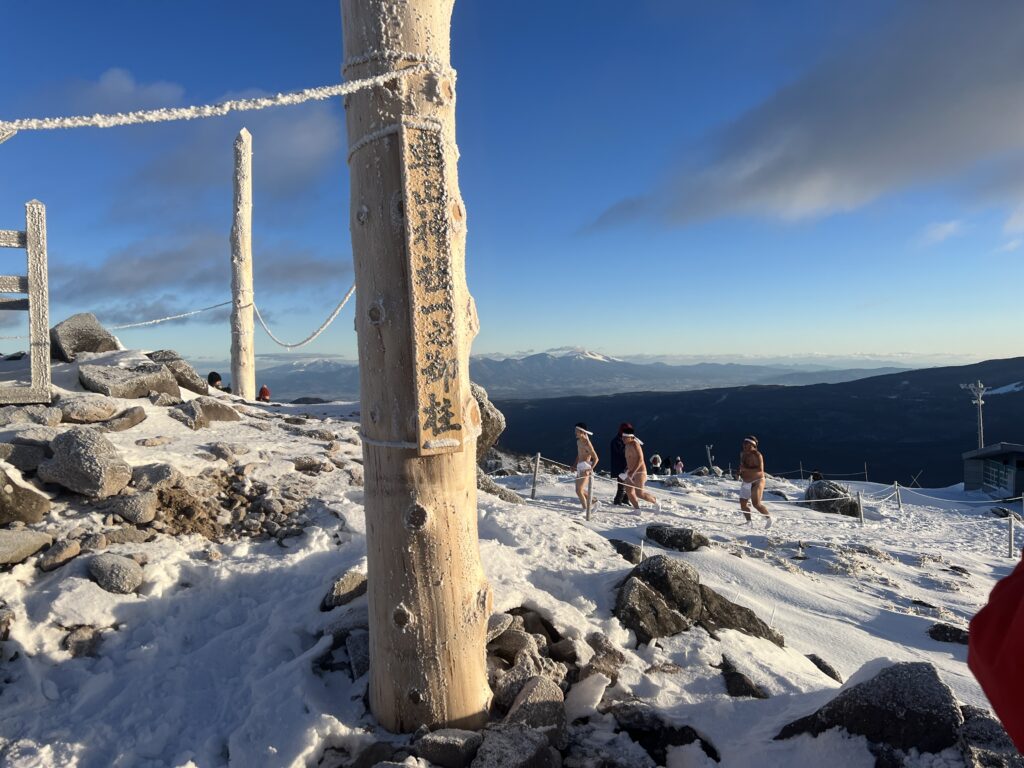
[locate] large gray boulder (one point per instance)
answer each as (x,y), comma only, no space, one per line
(20,501)
(130,381)
(199,413)
(80,333)
(18,546)
(984,742)
(114,573)
(644,611)
(184,374)
(492,421)
(826,496)
(139,508)
(87,463)
(87,408)
(905,706)
(677,582)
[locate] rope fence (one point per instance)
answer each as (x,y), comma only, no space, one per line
(145,117)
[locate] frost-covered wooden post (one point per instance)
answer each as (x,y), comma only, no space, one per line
(860,509)
(590,493)
(1010,549)
(243,349)
(899,497)
(429,599)
(536,472)
(35,284)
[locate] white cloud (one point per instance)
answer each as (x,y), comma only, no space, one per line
(117,90)
(1015,224)
(941,231)
(1010,246)
(931,95)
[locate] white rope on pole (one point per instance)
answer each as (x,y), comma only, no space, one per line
(9,128)
(167,319)
(323,327)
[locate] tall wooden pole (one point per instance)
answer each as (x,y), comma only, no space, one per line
(243,349)
(429,599)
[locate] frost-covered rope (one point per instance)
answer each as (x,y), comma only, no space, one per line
(323,327)
(159,320)
(8,128)
(990,502)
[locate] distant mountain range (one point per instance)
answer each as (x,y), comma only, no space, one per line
(578,372)
(899,423)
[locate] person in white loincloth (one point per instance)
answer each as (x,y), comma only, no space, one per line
(752,481)
(586,461)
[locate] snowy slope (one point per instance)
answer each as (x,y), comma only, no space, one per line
(214,661)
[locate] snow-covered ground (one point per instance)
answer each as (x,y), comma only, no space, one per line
(214,661)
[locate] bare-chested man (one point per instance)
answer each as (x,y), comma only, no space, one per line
(636,471)
(752,477)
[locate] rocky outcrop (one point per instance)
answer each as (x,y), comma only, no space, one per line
(87,463)
(825,667)
(138,509)
(492,421)
(739,685)
(186,376)
(80,333)
(660,589)
(905,706)
(515,746)
(25,458)
(487,485)
(20,501)
(826,496)
(631,553)
(540,705)
(129,382)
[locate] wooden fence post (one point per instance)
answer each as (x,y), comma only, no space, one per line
(860,509)
(801,470)
(590,492)
(899,496)
(243,350)
(536,471)
(1010,549)
(429,599)
(865,472)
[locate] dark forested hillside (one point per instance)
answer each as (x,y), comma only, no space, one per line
(899,423)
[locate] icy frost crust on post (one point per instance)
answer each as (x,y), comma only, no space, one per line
(429,599)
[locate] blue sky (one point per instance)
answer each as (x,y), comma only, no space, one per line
(661,177)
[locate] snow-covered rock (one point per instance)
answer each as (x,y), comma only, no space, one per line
(80,333)
(19,500)
(86,408)
(199,413)
(19,545)
(129,381)
(827,496)
(87,463)
(186,376)
(115,573)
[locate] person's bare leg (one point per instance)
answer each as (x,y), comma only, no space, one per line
(645,495)
(755,499)
(631,495)
(580,493)
(746,510)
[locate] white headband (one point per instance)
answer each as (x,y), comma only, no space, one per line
(638,440)
(585,432)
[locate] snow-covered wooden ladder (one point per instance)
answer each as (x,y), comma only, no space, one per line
(37,303)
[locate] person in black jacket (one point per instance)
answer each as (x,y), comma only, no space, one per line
(618,463)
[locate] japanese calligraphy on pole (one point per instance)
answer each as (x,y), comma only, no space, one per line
(431,292)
